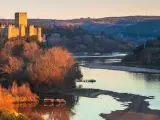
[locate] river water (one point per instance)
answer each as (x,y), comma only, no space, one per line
(119,81)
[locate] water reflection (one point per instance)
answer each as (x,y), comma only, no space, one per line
(124,82)
(147,76)
(83,108)
(50,112)
(102,61)
(90,108)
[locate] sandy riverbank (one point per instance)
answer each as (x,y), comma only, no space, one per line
(137,107)
(122,68)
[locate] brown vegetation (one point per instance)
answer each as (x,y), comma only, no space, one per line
(10,115)
(16,94)
(27,61)
(22,94)
(12,65)
(51,66)
(6,100)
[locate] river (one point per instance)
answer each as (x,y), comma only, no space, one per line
(84,108)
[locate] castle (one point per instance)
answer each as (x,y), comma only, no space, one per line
(21,29)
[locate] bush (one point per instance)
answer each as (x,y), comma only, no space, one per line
(12,95)
(51,67)
(29,50)
(22,93)
(9,115)
(28,62)
(6,100)
(12,65)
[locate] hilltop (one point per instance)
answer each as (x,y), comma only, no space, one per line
(137,29)
(105,20)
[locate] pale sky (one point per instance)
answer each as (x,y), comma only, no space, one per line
(67,9)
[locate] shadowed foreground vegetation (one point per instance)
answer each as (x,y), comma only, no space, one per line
(28,67)
(15,95)
(44,69)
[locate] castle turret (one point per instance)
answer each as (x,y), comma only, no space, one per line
(31,30)
(39,34)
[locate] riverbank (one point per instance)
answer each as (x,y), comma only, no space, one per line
(136,64)
(137,106)
(121,67)
(129,116)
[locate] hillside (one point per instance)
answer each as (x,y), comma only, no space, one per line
(145,28)
(105,20)
(79,40)
(146,54)
(137,29)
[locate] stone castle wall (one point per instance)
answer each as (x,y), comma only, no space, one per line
(21,29)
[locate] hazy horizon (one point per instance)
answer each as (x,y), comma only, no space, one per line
(71,9)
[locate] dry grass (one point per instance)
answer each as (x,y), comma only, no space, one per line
(13,95)
(6,100)
(22,94)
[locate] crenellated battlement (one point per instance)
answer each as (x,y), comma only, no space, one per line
(21,28)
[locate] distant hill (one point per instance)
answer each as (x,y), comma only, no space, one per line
(145,28)
(137,29)
(105,20)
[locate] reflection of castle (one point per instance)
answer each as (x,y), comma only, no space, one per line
(21,29)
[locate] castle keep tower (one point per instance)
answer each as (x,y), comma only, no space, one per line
(21,19)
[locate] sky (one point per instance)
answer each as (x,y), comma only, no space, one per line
(68,9)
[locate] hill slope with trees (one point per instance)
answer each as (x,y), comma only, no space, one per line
(146,54)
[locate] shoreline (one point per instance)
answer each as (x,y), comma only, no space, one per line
(121,68)
(136,103)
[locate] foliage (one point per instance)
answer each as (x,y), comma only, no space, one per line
(22,93)
(51,67)
(9,115)
(30,62)
(16,94)
(147,54)
(77,39)
(12,65)
(6,100)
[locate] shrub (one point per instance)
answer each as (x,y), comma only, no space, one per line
(22,93)
(12,95)
(9,115)
(51,67)
(14,47)
(6,100)
(27,62)
(12,65)
(29,50)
